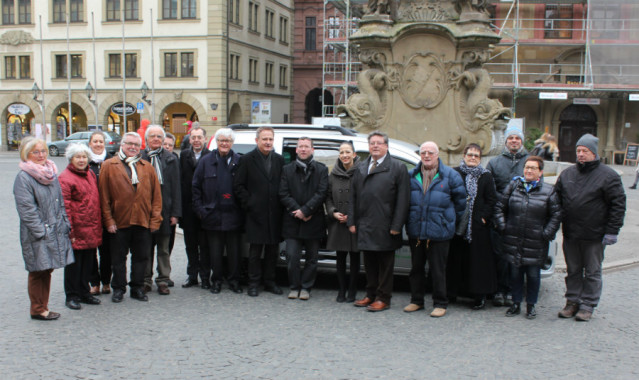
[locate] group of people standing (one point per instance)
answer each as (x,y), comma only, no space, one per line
(483,231)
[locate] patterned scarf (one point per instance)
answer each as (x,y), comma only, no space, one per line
(154,155)
(472,178)
(45,174)
(527,185)
(131,161)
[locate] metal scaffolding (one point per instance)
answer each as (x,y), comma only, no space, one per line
(340,64)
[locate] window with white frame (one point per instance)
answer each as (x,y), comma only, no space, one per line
(283,29)
(131,10)
(269,18)
(268,74)
(283,76)
(179,64)
(234,66)
(61,66)
(179,9)
(253,78)
(252,16)
(130,64)
(234,11)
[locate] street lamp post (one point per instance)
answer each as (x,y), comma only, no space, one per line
(145,91)
(93,99)
(36,92)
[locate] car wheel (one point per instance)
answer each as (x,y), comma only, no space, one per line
(53,150)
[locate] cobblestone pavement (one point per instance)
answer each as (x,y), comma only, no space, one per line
(195,334)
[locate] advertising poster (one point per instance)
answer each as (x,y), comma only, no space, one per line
(261,112)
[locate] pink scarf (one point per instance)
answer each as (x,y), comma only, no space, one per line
(45,174)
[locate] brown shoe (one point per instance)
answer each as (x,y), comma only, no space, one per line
(377,306)
(147,288)
(438,312)
(363,302)
(413,307)
(583,315)
(106,289)
(569,310)
(95,290)
(163,289)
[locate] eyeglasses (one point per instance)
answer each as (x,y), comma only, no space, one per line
(38,152)
(531,168)
(131,144)
(428,153)
(472,155)
(376,143)
(225,141)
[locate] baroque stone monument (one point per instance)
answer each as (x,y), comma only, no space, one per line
(423,76)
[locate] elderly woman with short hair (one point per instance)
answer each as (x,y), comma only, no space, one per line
(222,219)
(44,227)
(82,202)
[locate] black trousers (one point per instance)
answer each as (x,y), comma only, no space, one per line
(193,242)
(262,269)
(76,275)
(436,252)
(213,258)
(341,272)
(136,239)
(501,261)
(102,272)
(379,266)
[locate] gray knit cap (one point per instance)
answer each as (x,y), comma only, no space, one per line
(589,141)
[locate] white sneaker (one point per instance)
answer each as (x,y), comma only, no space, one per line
(293,294)
(304,295)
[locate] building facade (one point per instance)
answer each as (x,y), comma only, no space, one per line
(179,60)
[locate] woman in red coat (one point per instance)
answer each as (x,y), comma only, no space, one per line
(82,203)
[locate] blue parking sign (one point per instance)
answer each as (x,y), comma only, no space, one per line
(140,107)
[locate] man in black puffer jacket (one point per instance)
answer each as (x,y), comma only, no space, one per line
(594,206)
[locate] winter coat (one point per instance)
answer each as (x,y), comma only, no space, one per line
(82,203)
(433,215)
(379,204)
(188,164)
(171,193)
(507,166)
(213,200)
(305,191)
(338,199)
(593,201)
(528,220)
(123,204)
(258,193)
(44,226)
(95,167)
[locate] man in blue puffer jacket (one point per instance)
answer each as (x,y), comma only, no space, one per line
(437,202)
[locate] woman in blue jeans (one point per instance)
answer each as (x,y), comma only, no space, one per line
(528,216)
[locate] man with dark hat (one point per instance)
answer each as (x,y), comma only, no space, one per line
(593,206)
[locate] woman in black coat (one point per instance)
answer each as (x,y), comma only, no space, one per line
(340,239)
(471,267)
(528,216)
(101,273)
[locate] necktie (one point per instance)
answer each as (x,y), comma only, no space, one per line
(373,167)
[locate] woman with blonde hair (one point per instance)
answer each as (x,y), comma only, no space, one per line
(44,227)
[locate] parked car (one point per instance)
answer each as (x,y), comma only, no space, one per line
(112,142)
(326,141)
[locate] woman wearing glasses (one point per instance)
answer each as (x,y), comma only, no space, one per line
(528,216)
(471,267)
(44,227)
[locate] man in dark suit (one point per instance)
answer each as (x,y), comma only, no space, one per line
(379,208)
(257,185)
(190,223)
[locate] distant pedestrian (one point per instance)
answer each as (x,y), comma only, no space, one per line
(44,225)
(594,206)
(82,203)
(340,239)
(528,216)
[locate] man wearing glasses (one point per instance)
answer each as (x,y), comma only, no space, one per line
(437,202)
(378,210)
(131,201)
(166,167)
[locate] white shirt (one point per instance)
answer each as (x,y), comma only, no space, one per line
(379,162)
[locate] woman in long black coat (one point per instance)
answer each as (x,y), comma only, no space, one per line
(471,267)
(340,239)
